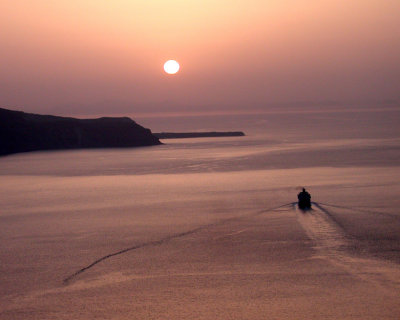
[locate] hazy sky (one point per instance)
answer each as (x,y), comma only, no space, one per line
(96,57)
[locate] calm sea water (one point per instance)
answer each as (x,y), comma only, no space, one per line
(280,151)
(58,209)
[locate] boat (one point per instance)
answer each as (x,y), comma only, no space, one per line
(304,200)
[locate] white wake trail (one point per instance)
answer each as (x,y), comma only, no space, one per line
(332,244)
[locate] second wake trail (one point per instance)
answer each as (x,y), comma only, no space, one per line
(331,243)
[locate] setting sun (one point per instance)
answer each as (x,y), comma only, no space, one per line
(171,67)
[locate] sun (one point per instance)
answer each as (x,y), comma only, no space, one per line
(171,67)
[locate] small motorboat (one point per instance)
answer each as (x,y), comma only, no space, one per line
(304,200)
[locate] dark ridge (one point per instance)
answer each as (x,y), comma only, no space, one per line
(182,135)
(23,132)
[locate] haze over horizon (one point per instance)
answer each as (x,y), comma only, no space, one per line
(100,57)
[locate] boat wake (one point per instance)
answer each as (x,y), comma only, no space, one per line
(331,243)
(320,224)
(165,240)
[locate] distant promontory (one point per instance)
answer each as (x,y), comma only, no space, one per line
(22,132)
(181,135)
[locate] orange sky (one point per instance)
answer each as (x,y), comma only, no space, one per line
(105,57)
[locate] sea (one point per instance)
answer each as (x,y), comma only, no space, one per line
(62,210)
(317,149)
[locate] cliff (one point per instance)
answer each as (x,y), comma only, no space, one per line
(22,132)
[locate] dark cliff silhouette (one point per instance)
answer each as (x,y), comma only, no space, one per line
(22,132)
